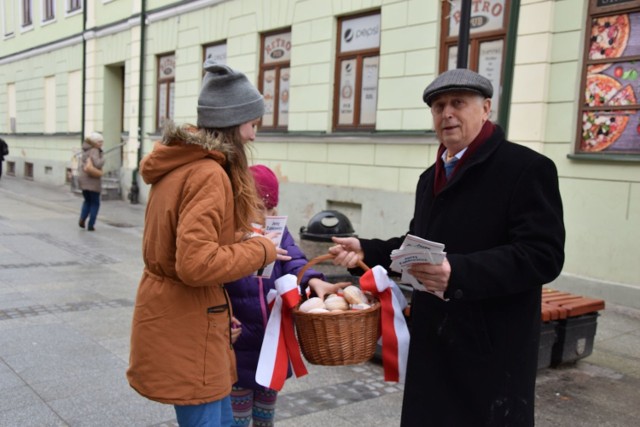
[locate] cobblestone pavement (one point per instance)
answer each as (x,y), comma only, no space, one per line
(66,298)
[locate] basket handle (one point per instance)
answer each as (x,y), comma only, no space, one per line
(317,260)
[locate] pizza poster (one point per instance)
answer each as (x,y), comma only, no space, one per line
(612,84)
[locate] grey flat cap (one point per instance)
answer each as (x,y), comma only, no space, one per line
(458,79)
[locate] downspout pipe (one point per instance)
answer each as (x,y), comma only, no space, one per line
(84,72)
(463,34)
(509,64)
(134,194)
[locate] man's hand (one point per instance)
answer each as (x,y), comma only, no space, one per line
(434,277)
(347,251)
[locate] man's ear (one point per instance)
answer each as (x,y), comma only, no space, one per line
(486,109)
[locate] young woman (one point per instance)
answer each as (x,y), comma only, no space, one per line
(197,237)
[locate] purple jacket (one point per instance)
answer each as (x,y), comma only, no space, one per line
(249,300)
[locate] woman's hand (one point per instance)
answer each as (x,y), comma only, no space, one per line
(236,329)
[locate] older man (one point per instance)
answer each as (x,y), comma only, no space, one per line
(497,208)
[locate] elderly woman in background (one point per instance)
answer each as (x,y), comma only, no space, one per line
(91,185)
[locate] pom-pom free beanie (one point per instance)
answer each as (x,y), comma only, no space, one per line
(227,98)
(266,184)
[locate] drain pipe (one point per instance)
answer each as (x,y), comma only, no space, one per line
(84,72)
(134,193)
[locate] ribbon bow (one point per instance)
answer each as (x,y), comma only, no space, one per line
(279,346)
(395,334)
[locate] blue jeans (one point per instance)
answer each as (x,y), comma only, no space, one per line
(212,414)
(90,206)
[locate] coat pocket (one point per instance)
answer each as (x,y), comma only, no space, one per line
(218,343)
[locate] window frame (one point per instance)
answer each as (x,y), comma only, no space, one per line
(359,56)
(594,11)
(277,67)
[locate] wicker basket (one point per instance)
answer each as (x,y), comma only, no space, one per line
(337,338)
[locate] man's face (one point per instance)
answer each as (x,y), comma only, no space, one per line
(458,117)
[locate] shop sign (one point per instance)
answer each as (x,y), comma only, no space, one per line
(277,48)
(218,53)
(360,33)
(486,15)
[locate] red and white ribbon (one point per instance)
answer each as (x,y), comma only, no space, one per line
(280,347)
(395,334)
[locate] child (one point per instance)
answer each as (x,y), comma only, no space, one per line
(248,298)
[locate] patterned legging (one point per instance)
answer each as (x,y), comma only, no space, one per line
(257,404)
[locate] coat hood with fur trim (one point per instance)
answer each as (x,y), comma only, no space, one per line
(180,146)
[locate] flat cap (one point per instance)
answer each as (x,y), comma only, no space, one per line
(458,79)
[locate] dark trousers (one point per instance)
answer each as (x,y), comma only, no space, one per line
(90,206)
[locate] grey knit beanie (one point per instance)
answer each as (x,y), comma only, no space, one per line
(227,98)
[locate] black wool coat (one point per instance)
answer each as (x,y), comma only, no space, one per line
(473,359)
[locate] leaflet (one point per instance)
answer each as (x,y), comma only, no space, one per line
(272,224)
(416,250)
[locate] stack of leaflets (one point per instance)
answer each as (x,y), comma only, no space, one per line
(272,224)
(416,250)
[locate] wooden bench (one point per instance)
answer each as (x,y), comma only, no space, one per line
(568,328)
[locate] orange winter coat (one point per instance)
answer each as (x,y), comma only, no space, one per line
(181,349)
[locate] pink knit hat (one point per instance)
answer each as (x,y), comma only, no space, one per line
(267,185)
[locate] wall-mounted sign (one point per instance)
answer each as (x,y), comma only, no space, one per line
(601,3)
(347,92)
(610,110)
(277,48)
(360,33)
(486,15)
(217,53)
(369,96)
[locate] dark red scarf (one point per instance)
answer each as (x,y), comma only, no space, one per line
(441,179)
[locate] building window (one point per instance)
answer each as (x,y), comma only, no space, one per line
(216,52)
(357,64)
(73,5)
(609,117)
(8,18)
(275,75)
(487,35)
(166,85)
(27,13)
(28,170)
(48,10)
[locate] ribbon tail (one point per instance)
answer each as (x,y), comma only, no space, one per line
(395,334)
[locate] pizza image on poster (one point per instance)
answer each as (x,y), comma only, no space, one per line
(609,38)
(612,84)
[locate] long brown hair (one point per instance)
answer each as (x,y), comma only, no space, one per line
(248,206)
